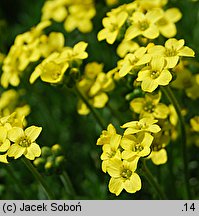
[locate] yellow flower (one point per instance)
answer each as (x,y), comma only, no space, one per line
(8,99)
(173,116)
(144,24)
(111,150)
(172,51)
(12,120)
(150,4)
(154,75)
(55,10)
(186,81)
(143,125)
(4,142)
(24,142)
(159,157)
(112,26)
(161,139)
(80,16)
(51,43)
(123,176)
(136,146)
(92,69)
(195,123)
(106,135)
(150,106)
(24,51)
(76,53)
(94,85)
(126,47)
(166,23)
(49,70)
(133,60)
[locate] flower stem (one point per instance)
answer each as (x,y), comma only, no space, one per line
(95,114)
(39,178)
(148,175)
(169,94)
(67,184)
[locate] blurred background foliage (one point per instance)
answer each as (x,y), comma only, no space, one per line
(54,108)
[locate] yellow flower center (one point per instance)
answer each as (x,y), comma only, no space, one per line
(137,148)
(126,173)
(143,25)
(162,22)
(113,27)
(56,74)
(140,126)
(111,154)
(155,74)
(133,61)
(24,142)
(156,146)
(149,107)
(170,52)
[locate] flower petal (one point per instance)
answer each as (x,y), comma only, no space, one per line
(3,158)
(173,14)
(131,33)
(134,184)
(186,51)
(164,78)
(15,151)
(114,167)
(15,133)
(115,186)
(159,157)
(175,44)
(5,146)
(3,134)
(33,132)
(115,141)
(168,31)
(33,151)
(152,32)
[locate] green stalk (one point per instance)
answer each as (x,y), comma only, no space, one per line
(93,111)
(169,94)
(149,177)
(39,178)
(67,184)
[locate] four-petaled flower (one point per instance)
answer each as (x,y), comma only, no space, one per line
(123,176)
(172,51)
(24,142)
(144,24)
(143,125)
(154,75)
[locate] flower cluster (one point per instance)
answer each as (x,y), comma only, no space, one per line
(121,153)
(138,85)
(53,68)
(151,63)
(94,85)
(74,13)
(136,26)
